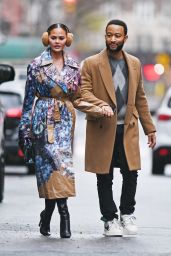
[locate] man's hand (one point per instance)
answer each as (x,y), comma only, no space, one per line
(152,139)
(107,111)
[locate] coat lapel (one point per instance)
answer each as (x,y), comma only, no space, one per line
(132,85)
(132,81)
(47,65)
(50,72)
(106,74)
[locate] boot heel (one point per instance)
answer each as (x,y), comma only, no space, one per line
(40,223)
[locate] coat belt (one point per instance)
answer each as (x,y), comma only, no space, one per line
(53,116)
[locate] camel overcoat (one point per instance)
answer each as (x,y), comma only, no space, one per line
(97,87)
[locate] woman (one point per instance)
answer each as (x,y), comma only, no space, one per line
(47,124)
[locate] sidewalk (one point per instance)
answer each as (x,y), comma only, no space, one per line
(26,240)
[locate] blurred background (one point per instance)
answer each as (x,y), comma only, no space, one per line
(22,23)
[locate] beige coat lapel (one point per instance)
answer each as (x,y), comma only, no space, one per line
(106,74)
(132,85)
(132,74)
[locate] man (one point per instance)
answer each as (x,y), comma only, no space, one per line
(112,80)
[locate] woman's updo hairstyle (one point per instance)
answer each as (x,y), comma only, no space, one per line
(45,35)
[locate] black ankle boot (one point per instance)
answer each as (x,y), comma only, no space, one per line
(65,231)
(44,224)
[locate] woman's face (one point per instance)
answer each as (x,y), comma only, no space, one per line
(57,39)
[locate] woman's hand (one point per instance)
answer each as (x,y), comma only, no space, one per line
(107,111)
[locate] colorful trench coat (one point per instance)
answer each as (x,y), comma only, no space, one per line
(47,123)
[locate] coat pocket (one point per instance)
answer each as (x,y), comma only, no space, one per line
(135,113)
(134,119)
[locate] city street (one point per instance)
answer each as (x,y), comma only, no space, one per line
(20,210)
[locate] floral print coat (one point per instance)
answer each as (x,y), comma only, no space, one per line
(47,123)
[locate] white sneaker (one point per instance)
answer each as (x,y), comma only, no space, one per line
(128,224)
(112,228)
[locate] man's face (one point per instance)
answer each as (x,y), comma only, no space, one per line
(115,38)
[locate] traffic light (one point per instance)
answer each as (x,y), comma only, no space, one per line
(164,59)
(70,5)
(150,72)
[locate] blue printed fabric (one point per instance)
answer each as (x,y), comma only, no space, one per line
(50,136)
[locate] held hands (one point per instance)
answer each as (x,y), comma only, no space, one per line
(151,140)
(107,111)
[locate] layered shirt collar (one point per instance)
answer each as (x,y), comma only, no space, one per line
(46,59)
(68,78)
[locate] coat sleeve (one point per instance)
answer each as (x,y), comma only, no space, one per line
(87,86)
(142,107)
(25,122)
(85,106)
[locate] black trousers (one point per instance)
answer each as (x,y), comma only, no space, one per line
(108,207)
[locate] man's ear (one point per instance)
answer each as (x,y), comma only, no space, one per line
(126,37)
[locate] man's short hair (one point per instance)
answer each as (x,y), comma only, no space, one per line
(120,23)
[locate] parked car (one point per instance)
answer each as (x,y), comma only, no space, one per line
(161,155)
(12,96)
(7,73)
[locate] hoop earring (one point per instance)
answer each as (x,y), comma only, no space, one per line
(45,38)
(69,39)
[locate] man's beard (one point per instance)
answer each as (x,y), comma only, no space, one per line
(117,49)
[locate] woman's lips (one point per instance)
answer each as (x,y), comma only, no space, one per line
(57,46)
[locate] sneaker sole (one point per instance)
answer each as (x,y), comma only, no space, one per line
(107,235)
(126,233)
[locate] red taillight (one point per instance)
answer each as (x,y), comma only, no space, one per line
(163,152)
(164,117)
(13,112)
(20,153)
